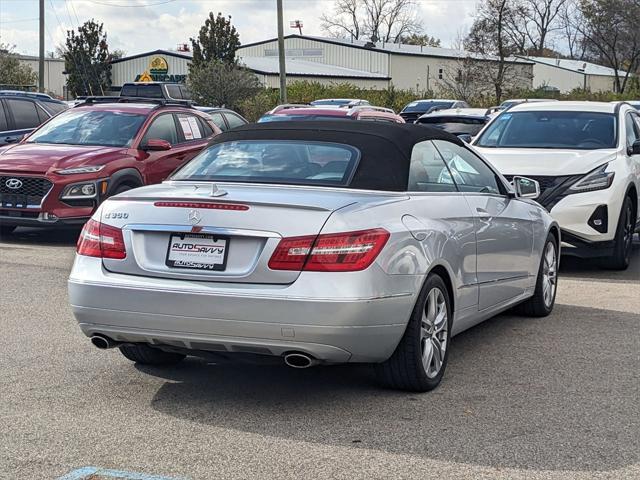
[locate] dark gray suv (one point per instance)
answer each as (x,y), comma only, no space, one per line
(21,112)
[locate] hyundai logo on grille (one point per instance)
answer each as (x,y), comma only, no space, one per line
(13,183)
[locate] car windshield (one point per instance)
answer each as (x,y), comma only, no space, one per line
(426,106)
(287,118)
(274,161)
(453,124)
(551,129)
(94,127)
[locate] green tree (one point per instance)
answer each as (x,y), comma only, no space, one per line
(218,84)
(86,56)
(12,72)
(217,40)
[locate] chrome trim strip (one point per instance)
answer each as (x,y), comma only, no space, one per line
(188,229)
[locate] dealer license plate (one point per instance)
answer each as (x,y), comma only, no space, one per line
(198,251)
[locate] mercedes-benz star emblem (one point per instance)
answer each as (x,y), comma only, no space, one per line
(194,217)
(13,183)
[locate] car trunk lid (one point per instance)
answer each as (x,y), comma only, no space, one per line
(216,232)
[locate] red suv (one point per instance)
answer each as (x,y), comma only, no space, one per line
(61,172)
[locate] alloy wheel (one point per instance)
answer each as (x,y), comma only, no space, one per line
(549,274)
(433,332)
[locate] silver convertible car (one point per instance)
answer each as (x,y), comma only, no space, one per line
(316,243)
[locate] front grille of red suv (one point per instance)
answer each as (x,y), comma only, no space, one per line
(30,193)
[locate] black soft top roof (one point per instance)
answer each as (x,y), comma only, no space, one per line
(385,147)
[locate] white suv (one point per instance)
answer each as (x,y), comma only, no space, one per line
(586,157)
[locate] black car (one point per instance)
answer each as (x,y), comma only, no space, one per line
(21,112)
(464,123)
(224,118)
(413,110)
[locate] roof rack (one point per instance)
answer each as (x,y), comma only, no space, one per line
(159,102)
(287,106)
(361,108)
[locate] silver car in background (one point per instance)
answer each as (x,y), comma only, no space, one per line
(317,243)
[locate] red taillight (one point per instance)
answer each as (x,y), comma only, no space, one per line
(100,240)
(332,252)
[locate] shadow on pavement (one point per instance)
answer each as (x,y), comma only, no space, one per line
(580,268)
(44,237)
(518,392)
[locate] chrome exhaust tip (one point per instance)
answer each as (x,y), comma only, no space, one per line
(102,342)
(299,360)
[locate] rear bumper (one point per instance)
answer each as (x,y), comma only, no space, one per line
(334,330)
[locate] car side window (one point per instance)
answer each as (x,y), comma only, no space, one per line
(234,120)
(189,127)
(206,128)
(469,172)
(24,113)
(3,119)
(163,128)
(631,129)
(427,171)
(218,121)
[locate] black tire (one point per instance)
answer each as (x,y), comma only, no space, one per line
(6,230)
(538,306)
(404,370)
(623,246)
(147,355)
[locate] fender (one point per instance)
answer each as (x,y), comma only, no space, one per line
(126,176)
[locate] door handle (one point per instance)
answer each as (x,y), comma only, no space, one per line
(482,212)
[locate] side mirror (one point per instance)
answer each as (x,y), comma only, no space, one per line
(635,148)
(526,188)
(156,145)
(465,137)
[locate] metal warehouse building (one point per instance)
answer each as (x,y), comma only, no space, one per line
(567,75)
(324,60)
(406,66)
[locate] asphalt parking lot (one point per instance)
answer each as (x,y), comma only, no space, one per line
(556,397)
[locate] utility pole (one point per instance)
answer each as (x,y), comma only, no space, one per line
(41,59)
(281,52)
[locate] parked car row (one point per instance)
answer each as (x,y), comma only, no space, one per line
(320,240)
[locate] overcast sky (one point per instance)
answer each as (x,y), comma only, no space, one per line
(141,25)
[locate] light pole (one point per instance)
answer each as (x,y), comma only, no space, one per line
(281,52)
(41,57)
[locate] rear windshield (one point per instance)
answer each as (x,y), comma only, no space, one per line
(274,161)
(147,91)
(289,118)
(544,129)
(455,125)
(87,127)
(426,106)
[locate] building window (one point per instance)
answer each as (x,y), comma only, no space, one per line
(440,73)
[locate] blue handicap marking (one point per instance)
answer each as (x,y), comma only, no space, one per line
(88,473)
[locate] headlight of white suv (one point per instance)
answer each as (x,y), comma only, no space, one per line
(597,179)
(87,169)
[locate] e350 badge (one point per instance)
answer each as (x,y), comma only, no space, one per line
(116,215)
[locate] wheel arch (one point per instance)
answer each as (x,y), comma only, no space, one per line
(443,272)
(126,176)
